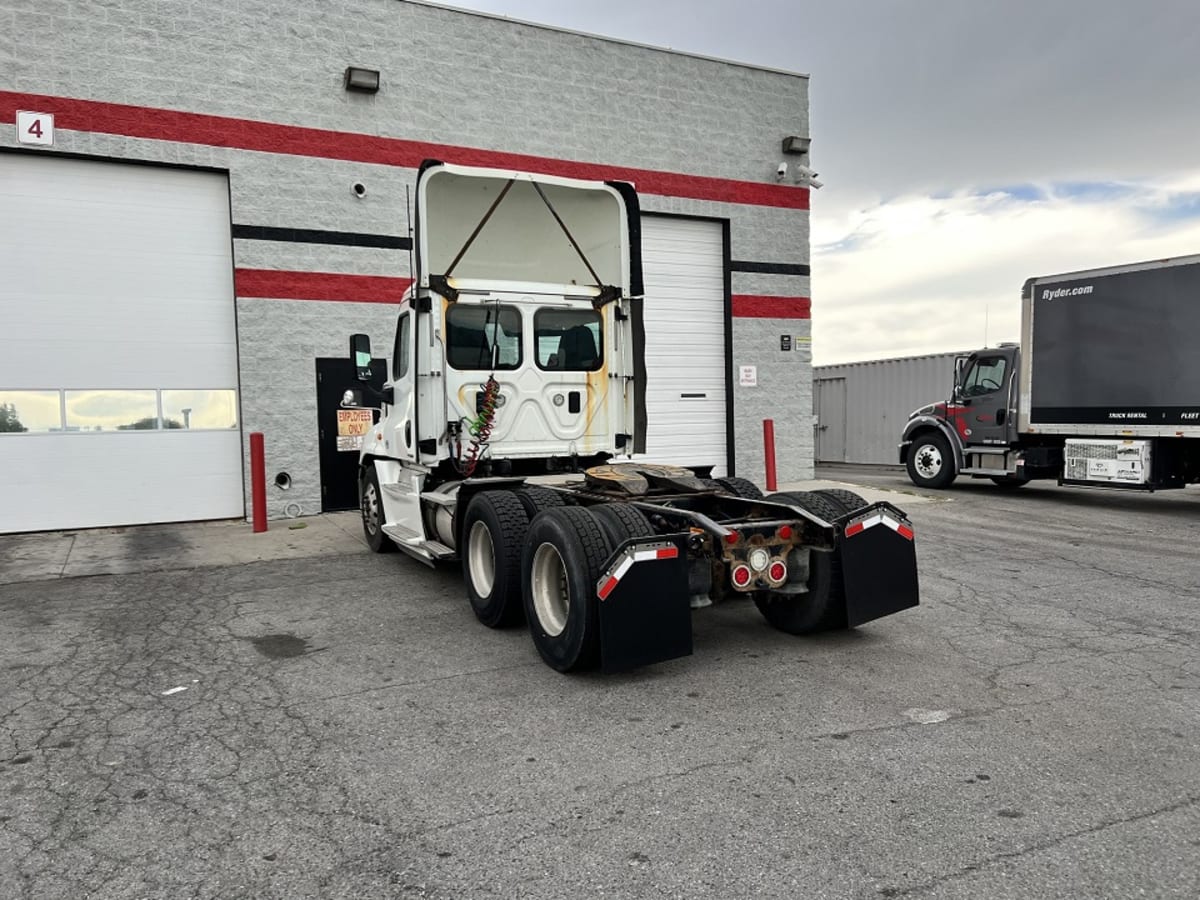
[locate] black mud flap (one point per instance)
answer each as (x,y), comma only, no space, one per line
(879,563)
(645,614)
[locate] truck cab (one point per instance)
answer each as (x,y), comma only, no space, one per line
(974,432)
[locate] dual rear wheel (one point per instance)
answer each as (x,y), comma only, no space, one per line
(822,606)
(527,554)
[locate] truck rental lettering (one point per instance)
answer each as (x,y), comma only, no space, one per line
(1055,293)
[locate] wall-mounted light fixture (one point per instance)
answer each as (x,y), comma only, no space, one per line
(365,81)
(795,144)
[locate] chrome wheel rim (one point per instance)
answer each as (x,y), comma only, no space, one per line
(551,593)
(929,462)
(481,559)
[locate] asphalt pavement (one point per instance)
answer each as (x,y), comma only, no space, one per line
(305,719)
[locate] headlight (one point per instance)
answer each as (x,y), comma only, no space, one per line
(925,410)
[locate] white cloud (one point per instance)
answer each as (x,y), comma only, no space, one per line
(920,274)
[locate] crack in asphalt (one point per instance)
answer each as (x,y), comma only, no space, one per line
(973,869)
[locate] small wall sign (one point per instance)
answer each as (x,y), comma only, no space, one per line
(785,342)
(35,128)
(748,376)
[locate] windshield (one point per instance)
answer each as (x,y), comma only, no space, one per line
(984,376)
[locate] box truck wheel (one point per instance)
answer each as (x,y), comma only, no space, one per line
(1009,481)
(493,536)
(930,461)
(823,606)
(564,552)
(370,502)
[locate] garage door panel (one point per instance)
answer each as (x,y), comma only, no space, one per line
(684,270)
(117,278)
(50,481)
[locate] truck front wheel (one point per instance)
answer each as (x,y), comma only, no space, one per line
(931,461)
(370,502)
(564,552)
(493,537)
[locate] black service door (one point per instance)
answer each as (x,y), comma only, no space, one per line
(337,442)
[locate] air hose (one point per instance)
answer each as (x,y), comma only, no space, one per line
(480,428)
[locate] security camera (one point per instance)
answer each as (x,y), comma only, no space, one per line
(781,172)
(805,175)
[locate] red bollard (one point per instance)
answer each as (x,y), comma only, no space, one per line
(258,482)
(769,451)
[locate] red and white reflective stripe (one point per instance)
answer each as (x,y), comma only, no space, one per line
(612,578)
(871,521)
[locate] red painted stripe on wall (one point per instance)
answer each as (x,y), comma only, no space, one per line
(269,137)
(277,284)
(757,306)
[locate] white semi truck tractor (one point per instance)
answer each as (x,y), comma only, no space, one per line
(511,437)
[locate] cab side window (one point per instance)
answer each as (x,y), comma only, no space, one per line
(401,351)
(985,376)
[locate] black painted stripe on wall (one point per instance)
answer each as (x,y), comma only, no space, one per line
(315,236)
(769,268)
(389,242)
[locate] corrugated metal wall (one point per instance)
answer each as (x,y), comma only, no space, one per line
(861,407)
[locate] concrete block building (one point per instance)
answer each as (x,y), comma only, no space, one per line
(200,201)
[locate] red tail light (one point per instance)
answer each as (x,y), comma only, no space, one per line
(732,538)
(785,532)
(777,572)
(741,576)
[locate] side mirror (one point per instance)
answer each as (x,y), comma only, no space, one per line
(360,354)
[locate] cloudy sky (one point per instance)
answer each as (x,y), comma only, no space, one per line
(965,145)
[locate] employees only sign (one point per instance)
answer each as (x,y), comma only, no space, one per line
(352,424)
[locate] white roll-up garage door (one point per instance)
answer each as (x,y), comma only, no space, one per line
(683,263)
(118,346)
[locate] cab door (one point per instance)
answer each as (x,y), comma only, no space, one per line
(984,394)
(403,440)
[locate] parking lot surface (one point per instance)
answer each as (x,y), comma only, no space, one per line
(330,723)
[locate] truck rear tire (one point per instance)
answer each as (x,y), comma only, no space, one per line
(621,521)
(847,500)
(1009,482)
(493,537)
(536,498)
(741,487)
(823,607)
(811,501)
(931,461)
(564,551)
(370,503)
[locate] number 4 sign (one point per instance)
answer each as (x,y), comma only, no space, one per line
(35,128)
